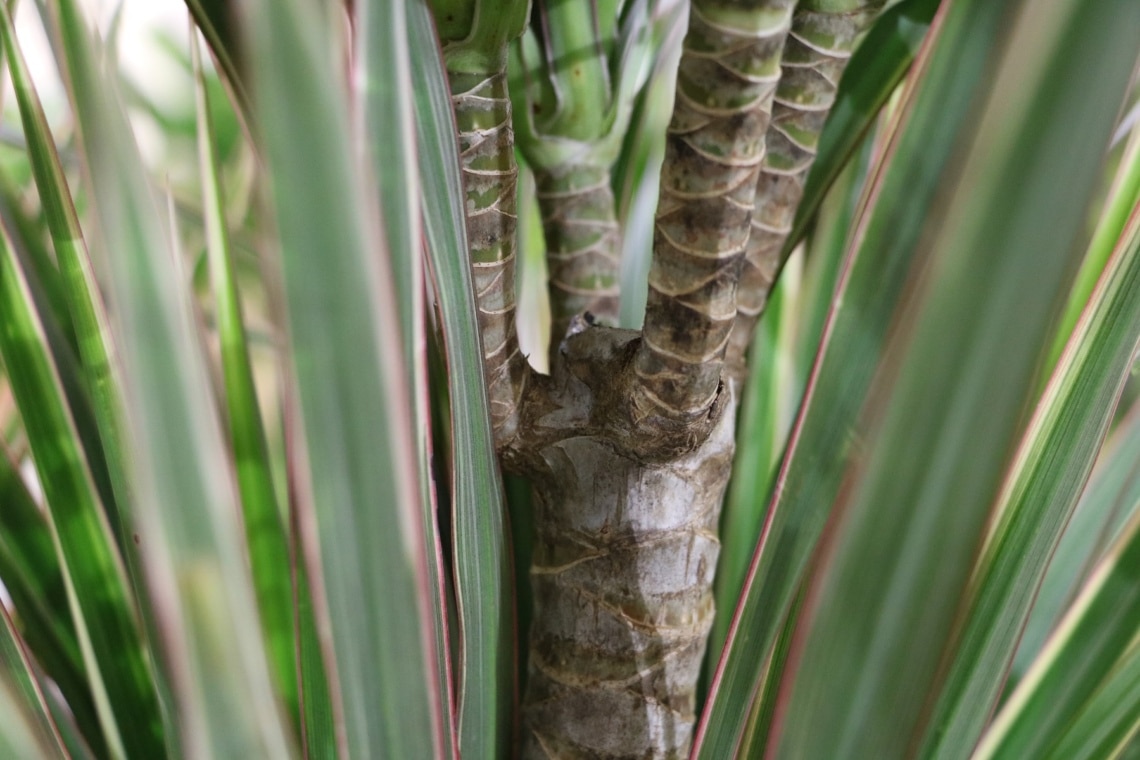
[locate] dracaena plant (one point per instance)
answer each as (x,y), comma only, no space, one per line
(837,310)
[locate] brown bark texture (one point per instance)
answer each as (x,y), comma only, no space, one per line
(490,178)
(818,48)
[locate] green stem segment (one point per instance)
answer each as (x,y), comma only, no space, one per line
(822,38)
(582,239)
(490,175)
(728,73)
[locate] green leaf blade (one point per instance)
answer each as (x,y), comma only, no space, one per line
(31,573)
(1085,652)
(1109,500)
(354,398)
(483,578)
(1108,720)
(181,484)
(901,192)
(385,65)
(1123,197)
(1045,482)
(266,540)
(26,725)
(101,603)
(915,506)
(86,316)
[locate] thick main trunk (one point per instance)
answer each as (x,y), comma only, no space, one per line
(629,443)
(624,555)
(624,558)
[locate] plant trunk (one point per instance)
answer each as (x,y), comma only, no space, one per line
(624,555)
(726,81)
(629,442)
(622,575)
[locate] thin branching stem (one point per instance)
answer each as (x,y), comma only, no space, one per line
(727,78)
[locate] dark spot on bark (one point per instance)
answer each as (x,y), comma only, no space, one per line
(136,537)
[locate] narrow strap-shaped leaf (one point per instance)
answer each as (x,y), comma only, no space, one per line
(637,171)
(947,411)
(30,571)
(900,195)
(26,725)
(1123,196)
(1082,658)
(352,387)
(86,315)
(384,94)
(266,539)
(386,98)
(318,716)
(1041,491)
(183,502)
(762,431)
(48,289)
(774,387)
(116,663)
(1109,718)
(1106,506)
(482,551)
(216,19)
(25,231)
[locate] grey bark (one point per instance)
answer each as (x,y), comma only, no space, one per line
(625,551)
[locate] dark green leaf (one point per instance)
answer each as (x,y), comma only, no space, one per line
(26,725)
(30,572)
